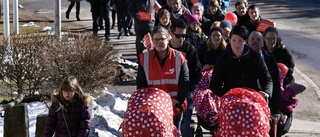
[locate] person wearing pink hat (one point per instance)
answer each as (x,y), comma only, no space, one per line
(195,36)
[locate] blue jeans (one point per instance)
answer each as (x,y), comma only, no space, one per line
(185,127)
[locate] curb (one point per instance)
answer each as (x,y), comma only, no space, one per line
(309,81)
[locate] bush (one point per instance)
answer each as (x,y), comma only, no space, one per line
(38,63)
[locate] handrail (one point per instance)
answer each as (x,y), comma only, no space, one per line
(12,103)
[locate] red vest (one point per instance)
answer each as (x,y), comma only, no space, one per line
(166,77)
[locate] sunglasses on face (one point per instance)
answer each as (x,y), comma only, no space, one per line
(180,35)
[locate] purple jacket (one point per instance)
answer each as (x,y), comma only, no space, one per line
(77,117)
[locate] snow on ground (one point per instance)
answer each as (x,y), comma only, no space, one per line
(107,111)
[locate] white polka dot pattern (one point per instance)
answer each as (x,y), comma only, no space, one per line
(206,103)
(243,112)
(149,114)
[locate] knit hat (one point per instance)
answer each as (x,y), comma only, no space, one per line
(225,24)
(216,29)
(192,18)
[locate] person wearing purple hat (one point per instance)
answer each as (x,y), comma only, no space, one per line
(198,8)
(195,36)
(211,50)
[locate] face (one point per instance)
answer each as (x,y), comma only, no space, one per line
(271,40)
(178,37)
(195,25)
(176,5)
(254,13)
(197,10)
(213,10)
(216,37)
(241,9)
(68,95)
(169,2)
(165,19)
(160,42)
(256,41)
(237,45)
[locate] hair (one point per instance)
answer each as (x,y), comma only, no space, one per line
(163,12)
(240,2)
(71,83)
(198,4)
(273,29)
(240,31)
(178,23)
(253,7)
(223,43)
(159,29)
(214,3)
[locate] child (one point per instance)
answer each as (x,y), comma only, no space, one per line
(164,17)
(68,113)
(195,36)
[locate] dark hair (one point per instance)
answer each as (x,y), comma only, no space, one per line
(240,31)
(253,7)
(178,23)
(273,29)
(238,3)
(162,12)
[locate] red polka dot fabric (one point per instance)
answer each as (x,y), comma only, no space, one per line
(206,103)
(243,113)
(149,114)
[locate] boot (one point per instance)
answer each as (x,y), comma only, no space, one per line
(120,35)
(67,14)
(77,16)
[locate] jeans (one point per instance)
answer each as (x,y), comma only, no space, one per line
(185,127)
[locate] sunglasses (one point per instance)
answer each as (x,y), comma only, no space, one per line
(180,35)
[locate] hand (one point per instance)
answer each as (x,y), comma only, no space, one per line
(264,94)
(138,16)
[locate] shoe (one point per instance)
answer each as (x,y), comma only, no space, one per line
(78,19)
(112,27)
(67,14)
(131,33)
(127,34)
(107,38)
(120,35)
(101,27)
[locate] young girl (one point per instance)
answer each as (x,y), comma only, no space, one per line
(68,114)
(164,17)
(195,36)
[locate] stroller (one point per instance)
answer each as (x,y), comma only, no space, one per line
(149,113)
(240,111)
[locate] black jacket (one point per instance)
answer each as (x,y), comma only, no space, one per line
(283,55)
(242,19)
(232,72)
(252,25)
(142,5)
(209,56)
(194,64)
(271,63)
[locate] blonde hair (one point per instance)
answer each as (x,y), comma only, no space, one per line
(222,46)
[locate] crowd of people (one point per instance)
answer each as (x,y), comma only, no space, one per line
(189,36)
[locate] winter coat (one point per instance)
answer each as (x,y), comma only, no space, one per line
(245,71)
(77,117)
(242,19)
(252,25)
(193,61)
(217,17)
(209,56)
(183,80)
(144,6)
(275,100)
(283,55)
(195,38)
(205,25)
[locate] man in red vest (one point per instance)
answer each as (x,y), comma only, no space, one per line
(164,68)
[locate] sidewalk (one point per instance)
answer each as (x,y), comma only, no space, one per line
(126,47)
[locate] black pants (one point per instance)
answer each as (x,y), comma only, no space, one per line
(77,7)
(105,15)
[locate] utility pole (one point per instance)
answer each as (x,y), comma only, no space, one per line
(15,17)
(57,19)
(6,20)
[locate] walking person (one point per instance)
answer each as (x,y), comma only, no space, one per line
(100,8)
(72,3)
(68,114)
